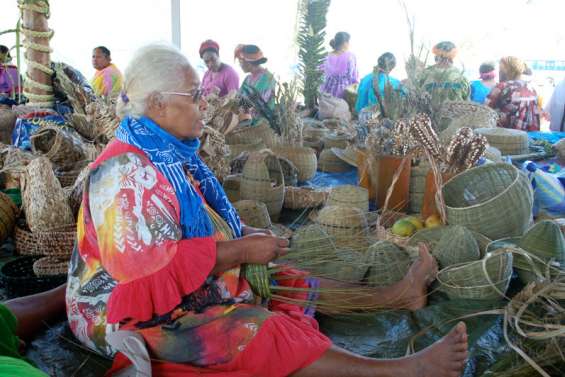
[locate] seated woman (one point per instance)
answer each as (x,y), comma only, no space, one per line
(219,76)
(515,101)
(366,95)
(259,80)
(340,67)
(160,247)
(442,80)
(9,75)
(480,89)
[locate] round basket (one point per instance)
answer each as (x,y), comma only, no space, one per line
(50,266)
(382,230)
(18,278)
(253,146)
(347,224)
(8,214)
(303,158)
(457,246)
(314,133)
(330,163)
(349,196)
(388,264)
(485,279)
(507,141)
(304,197)
(262,179)
(56,243)
(61,144)
(431,236)
(494,199)
(250,134)
(231,185)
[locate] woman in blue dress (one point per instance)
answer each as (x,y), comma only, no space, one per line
(480,89)
(366,95)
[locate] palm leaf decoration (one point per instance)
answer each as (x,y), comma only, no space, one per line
(311,39)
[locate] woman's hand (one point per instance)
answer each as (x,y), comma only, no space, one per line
(249,230)
(262,248)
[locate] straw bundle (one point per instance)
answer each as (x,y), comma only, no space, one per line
(349,196)
(44,201)
(330,163)
(246,135)
(347,224)
(7,123)
(457,246)
(389,264)
(61,145)
(49,266)
(303,158)
(485,279)
(304,197)
(507,141)
(495,200)
(8,214)
(232,185)
(262,179)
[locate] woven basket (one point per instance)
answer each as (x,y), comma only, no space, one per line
(303,197)
(7,123)
(56,243)
(262,179)
(303,158)
(388,264)
(457,246)
(474,114)
(253,213)
(330,163)
(347,224)
(61,145)
(336,141)
(485,279)
(431,236)
(232,185)
(347,266)
(507,141)
(8,214)
(349,196)
(50,266)
(416,202)
(494,199)
(385,221)
(19,280)
(249,135)
(254,146)
(314,133)
(44,202)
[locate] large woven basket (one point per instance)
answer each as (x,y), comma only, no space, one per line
(485,279)
(262,179)
(330,163)
(18,278)
(507,141)
(349,196)
(8,214)
(232,185)
(388,264)
(494,199)
(51,266)
(61,145)
(303,158)
(249,135)
(56,243)
(347,224)
(304,197)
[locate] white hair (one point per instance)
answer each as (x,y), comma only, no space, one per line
(154,68)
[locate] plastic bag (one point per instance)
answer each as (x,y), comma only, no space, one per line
(549,192)
(333,107)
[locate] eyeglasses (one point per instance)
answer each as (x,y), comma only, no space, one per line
(196,94)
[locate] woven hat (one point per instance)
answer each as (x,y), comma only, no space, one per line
(508,141)
(347,224)
(388,264)
(255,214)
(349,154)
(349,196)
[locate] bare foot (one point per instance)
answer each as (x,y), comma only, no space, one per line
(421,274)
(444,358)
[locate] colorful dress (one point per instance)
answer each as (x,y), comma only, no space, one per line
(108,81)
(445,83)
(263,83)
(516,103)
(226,80)
(366,92)
(140,264)
(340,71)
(9,80)
(479,91)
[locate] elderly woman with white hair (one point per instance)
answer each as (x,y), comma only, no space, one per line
(160,247)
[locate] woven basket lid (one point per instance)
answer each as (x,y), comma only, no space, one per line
(508,141)
(457,246)
(388,263)
(349,195)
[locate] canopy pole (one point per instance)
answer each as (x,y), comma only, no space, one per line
(175,23)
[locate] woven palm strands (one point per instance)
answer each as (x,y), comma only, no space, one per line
(303,158)
(507,141)
(348,225)
(349,196)
(388,263)
(61,145)
(8,214)
(485,279)
(262,179)
(44,201)
(495,200)
(304,197)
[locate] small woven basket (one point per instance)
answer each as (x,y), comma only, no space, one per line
(253,213)
(56,243)
(8,214)
(349,196)
(347,224)
(61,145)
(494,199)
(249,135)
(303,158)
(254,146)
(19,280)
(388,264)
(330,163)
(304,197)
(507,141)
(485,279)
(262,179)
(50,266)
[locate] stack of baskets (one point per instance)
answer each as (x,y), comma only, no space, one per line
(507,141)
(418,186)
(231,186)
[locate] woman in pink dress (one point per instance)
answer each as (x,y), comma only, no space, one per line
(219,76)
(340,67)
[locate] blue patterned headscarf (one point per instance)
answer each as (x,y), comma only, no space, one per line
(172,156)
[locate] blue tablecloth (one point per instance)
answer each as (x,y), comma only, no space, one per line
(322,179)
(552,137)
